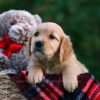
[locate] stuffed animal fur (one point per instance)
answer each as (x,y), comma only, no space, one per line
(19,25)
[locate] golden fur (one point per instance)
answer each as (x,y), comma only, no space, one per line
(57,56)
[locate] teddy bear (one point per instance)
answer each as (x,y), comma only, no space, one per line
(16,27)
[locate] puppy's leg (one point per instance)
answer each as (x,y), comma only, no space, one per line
(70,73)
(70,82)
(35,74)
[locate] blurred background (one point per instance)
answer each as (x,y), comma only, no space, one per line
(80,19)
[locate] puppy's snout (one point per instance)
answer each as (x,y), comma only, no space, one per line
(39,44)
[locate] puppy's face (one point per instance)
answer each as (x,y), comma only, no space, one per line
(48,40)
(45,41)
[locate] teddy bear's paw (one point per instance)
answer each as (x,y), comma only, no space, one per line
(4,60)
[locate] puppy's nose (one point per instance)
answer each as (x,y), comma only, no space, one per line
(39,44)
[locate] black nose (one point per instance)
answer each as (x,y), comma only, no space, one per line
(39,44)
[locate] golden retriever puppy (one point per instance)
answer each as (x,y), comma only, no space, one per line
(52,52)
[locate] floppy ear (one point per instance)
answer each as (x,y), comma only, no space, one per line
(65,49)
(29,46)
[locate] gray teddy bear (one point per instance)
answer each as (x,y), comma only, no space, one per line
(19,25)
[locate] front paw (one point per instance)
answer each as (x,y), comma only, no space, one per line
(35,77)
(70,83)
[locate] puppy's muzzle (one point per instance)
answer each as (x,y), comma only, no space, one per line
(39,45)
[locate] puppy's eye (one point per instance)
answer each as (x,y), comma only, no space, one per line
(36,34)
(52,37)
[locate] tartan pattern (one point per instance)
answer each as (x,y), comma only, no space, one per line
(51,88)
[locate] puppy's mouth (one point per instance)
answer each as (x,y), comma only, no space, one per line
(38,50)
(42,55)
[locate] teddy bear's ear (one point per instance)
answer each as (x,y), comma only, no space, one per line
(38,19)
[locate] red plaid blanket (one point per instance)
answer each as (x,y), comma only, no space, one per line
(51,88)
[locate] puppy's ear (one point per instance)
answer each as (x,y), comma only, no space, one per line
(65,49)
(29,46)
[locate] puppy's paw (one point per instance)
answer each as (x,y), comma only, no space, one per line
(35,76)
(70,83)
